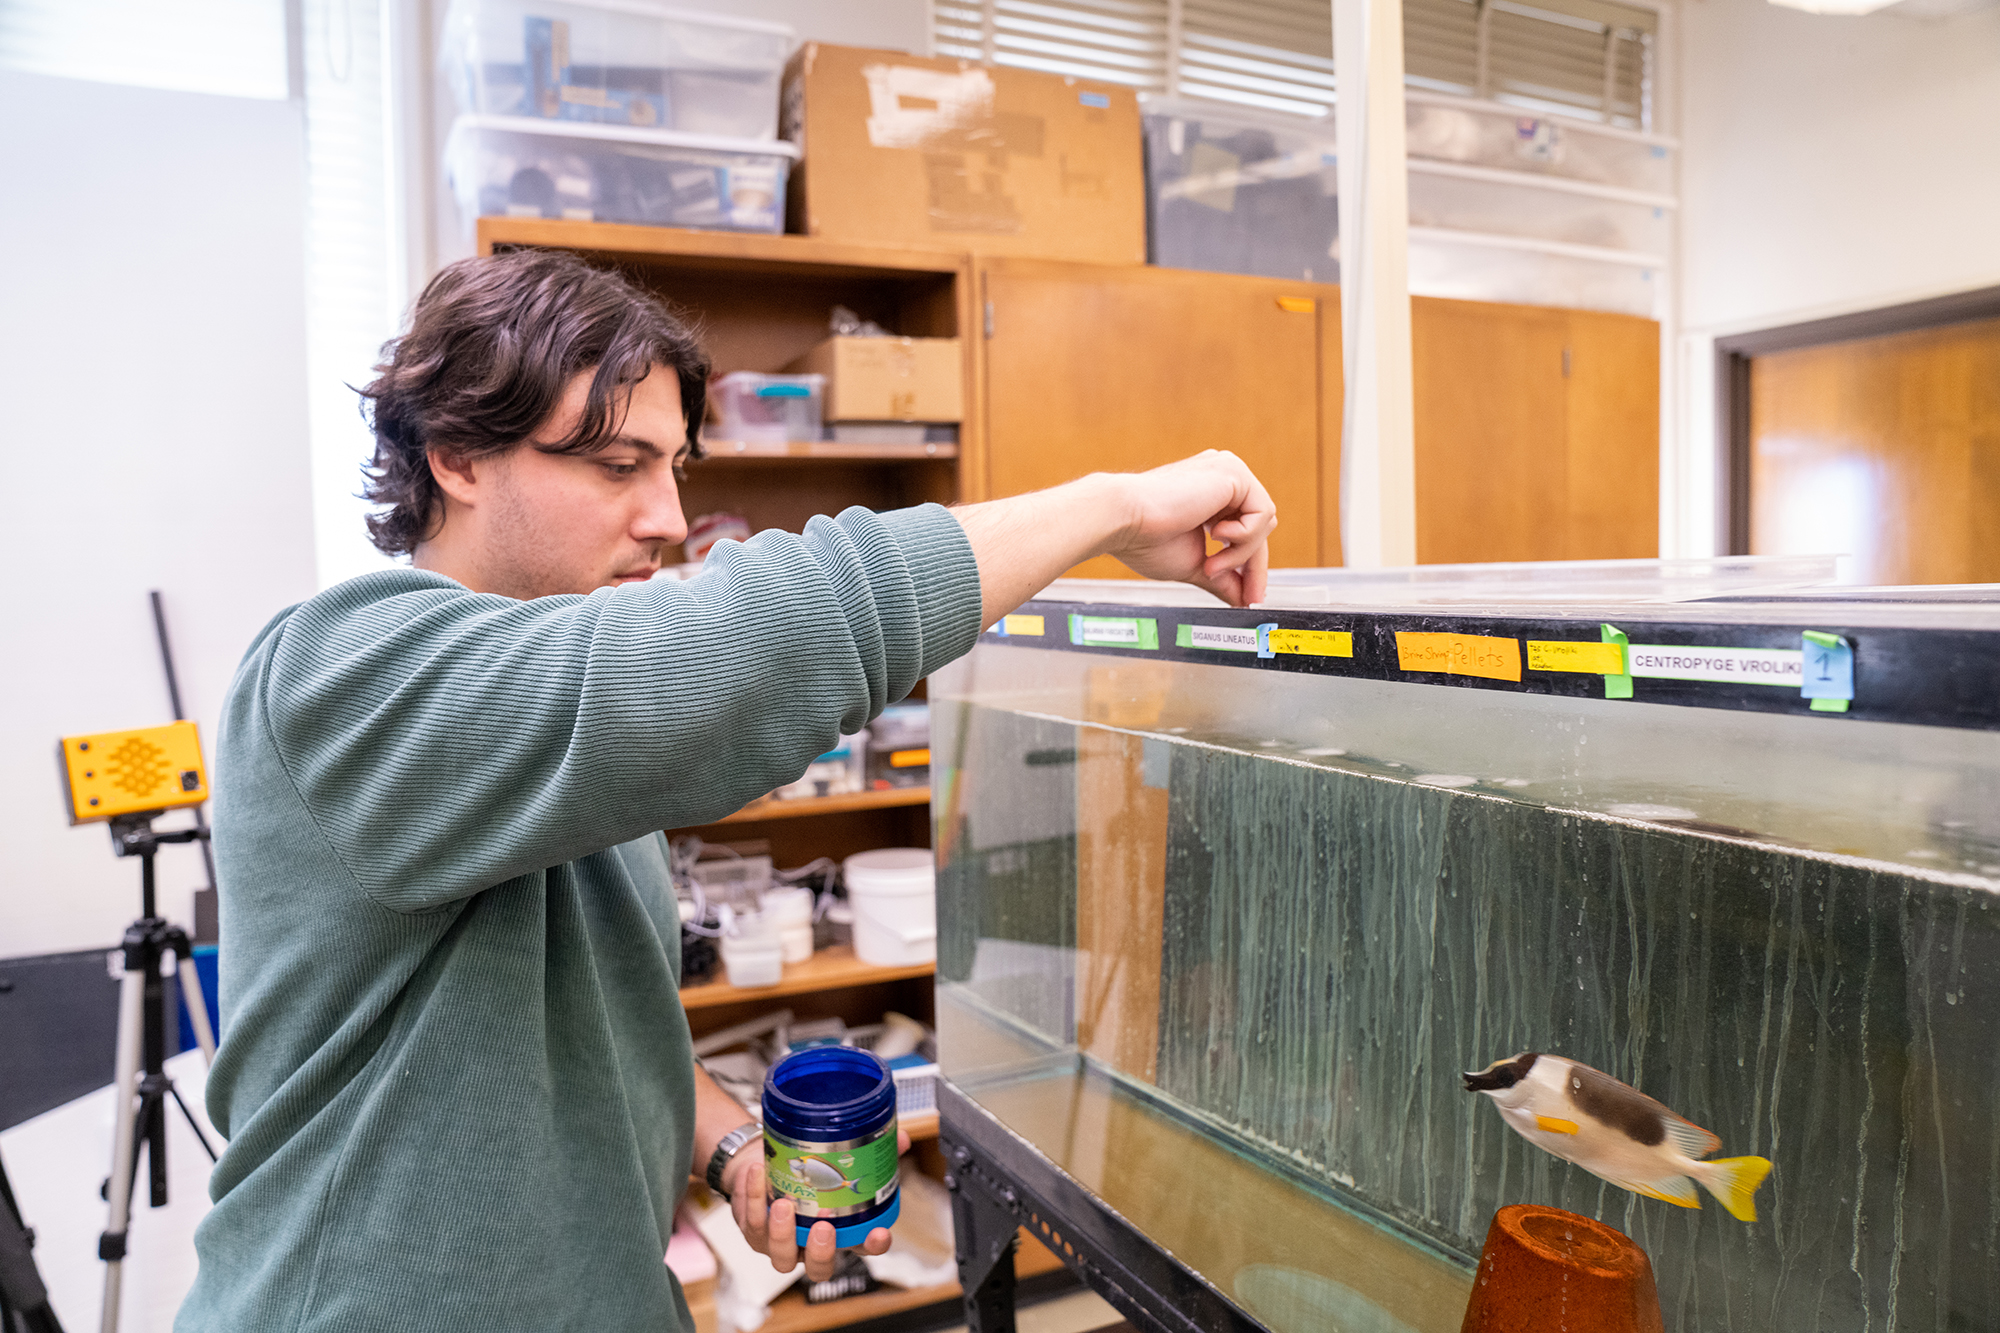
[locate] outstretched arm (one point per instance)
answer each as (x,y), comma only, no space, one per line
(1157,522)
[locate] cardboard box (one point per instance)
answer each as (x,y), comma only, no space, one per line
(899,149)
(889,379)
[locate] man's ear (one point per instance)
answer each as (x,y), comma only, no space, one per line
(455,474)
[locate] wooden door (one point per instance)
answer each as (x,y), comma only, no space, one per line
(1537,433)
(1883,449)
(1096,367)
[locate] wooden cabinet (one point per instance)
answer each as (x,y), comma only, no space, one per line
(1537,429)
(1119,368)
(1537,433)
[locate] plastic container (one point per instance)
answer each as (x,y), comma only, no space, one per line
(791,911)
(1478,266)
(1540,1259)
(894,896)
(1230,191)
(1448,129)
(1511,203)
(753,954)
(768,409)
(899,748)
(830,1140)
(617,64)
(500,166)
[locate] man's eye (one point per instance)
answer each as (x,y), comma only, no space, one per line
(621,469)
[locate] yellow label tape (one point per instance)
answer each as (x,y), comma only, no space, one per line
(1311,642)
(1597,659)
(909,758)
(1022,624)
(1460,655)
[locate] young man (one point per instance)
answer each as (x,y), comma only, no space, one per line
(457,1085)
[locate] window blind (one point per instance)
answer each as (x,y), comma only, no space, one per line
(1591,59)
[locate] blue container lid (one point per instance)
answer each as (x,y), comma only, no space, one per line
(828,1094)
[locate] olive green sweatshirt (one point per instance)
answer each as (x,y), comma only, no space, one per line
(455,1073)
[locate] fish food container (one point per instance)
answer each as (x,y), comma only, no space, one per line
(512,166)
(894,895)
(830,1140)
(616,63)
(768,409)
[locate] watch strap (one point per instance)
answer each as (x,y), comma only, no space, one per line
(732,1143)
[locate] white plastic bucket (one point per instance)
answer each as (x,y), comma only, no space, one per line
(894,894)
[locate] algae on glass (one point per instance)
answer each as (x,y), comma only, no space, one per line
(1275,911)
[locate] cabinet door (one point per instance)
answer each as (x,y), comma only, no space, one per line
(1094,367)
(1537,433)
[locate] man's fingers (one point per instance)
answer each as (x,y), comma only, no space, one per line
(819,1252)
(877,1242)
(781,1241)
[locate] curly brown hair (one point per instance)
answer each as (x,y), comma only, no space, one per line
(492,341)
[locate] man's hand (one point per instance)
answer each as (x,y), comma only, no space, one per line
(1173,509)
(1157,522)
(771,1227)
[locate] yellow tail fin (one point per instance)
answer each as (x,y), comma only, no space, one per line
(1734,1180)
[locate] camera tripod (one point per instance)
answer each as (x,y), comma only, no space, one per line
(142,1047)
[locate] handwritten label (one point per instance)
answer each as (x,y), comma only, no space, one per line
(1114,632)
(1460,655)
(1737,666)
(1597,659)
(1828,671)
(1030,626)
(1220,638)
(1305,642)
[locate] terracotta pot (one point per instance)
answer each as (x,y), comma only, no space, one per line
(1545,1269)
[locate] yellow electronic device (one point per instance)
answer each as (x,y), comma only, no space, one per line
(132,772)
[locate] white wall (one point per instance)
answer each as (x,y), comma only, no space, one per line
(1828,165)
(152,372)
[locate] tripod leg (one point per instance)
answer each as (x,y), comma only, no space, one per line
(111,1245)
(197,1009)
(153,1116)
(193,1123)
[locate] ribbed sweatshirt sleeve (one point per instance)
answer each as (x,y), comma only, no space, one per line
(445,741)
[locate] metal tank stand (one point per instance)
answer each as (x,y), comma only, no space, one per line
(999,1182)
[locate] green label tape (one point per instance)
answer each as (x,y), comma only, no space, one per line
(1618,686)
(1114,632)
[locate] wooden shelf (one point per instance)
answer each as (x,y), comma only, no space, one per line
(747,451)
(791,1314)
(829,969)
(771,808)
(921,1126)
(720,251)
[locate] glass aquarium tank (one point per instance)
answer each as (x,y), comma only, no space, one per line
(1230,899)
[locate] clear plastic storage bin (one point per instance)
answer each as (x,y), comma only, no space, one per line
(515,167)
(618,64)
(1473,267)
(1549,210)
(1483,134)
(1230,191)
(768,409)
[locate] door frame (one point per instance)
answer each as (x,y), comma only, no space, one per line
(1732,383)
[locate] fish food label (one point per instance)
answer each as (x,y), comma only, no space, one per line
(1738,666)
(832,1180)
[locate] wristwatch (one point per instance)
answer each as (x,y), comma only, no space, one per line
(732,1143)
